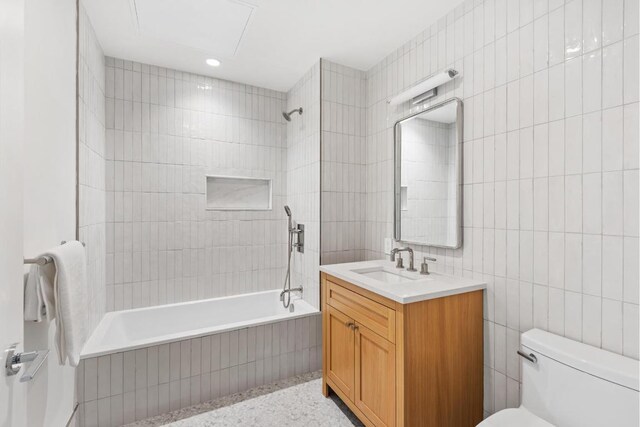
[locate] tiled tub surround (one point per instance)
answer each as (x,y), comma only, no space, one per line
(303,182)
(91,172)
(550,92)
(123,387)
(167,130)
(343,157)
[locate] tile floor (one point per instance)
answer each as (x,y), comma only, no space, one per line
(294,402)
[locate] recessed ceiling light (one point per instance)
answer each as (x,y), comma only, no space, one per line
(213,62)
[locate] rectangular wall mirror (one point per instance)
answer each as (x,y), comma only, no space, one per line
(428,176)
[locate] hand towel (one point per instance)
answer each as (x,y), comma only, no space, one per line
(39,301)
(70,294)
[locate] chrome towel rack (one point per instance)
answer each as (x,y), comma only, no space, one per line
(44,259)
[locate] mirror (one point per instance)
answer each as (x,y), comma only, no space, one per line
(428,176)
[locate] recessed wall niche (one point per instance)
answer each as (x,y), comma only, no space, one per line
(234,193)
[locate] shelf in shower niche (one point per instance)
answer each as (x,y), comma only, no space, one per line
(237,193)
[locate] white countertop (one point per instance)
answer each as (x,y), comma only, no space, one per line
(415,288)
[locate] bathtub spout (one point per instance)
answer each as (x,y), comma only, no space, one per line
(299,289)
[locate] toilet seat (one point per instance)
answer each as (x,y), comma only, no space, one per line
(513,417)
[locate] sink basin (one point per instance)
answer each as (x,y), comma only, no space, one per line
(405,287)
(385,275)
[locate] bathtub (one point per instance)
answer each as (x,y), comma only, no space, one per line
(142,327)
(148,361)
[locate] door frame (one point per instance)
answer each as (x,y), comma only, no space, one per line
(12,392)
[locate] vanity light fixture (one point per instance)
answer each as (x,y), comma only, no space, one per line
(426,89)
(213,62)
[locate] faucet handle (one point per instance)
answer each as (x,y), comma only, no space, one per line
(399,261)
(424,267)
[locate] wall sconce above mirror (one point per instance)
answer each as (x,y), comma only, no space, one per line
(425,89)
(428,176)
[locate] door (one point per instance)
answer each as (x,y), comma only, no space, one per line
(12,393)
(375,382)
(341,351)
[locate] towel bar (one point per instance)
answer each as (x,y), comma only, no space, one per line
(40,260)
(45,259)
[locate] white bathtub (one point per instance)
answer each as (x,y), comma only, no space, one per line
(133,329)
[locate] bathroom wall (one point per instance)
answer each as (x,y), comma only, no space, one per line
(92,164)
(343,164)
(167,130)
(550,91)
(303,181)
(49,181)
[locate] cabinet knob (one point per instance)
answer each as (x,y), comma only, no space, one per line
(351,325)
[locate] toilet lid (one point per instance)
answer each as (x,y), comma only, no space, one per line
(514,417)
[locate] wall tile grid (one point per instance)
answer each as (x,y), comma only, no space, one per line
(550,92)
(343,183)
(166,130)
(124,387)
(91,174)
(550,95)
(303,181)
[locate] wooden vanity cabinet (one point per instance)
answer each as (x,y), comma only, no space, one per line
(396,365)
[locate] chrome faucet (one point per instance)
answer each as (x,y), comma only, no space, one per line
(288,291)
(395,251)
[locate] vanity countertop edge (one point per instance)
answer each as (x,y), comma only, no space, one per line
(438,285)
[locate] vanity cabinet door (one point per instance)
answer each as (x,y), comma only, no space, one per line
(341,350)
(375,386)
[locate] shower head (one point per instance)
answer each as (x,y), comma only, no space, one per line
(287,116)
(287,210)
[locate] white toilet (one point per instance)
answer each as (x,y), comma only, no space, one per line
(569,384)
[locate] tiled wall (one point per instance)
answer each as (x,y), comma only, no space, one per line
(343,163)
(166,130)
(91,173)
(430,182)
(303,181)
(550,91)
(124,387)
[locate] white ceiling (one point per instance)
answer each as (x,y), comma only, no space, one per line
(266,43)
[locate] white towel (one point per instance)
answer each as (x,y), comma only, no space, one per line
(69,290)
(39,301)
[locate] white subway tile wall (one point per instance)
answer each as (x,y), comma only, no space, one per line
(550,190)
(343,164)
(120,388)
(303,181)
(165,131)
(550,91)
(91,172)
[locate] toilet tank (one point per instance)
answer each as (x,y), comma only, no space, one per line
(576,385)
